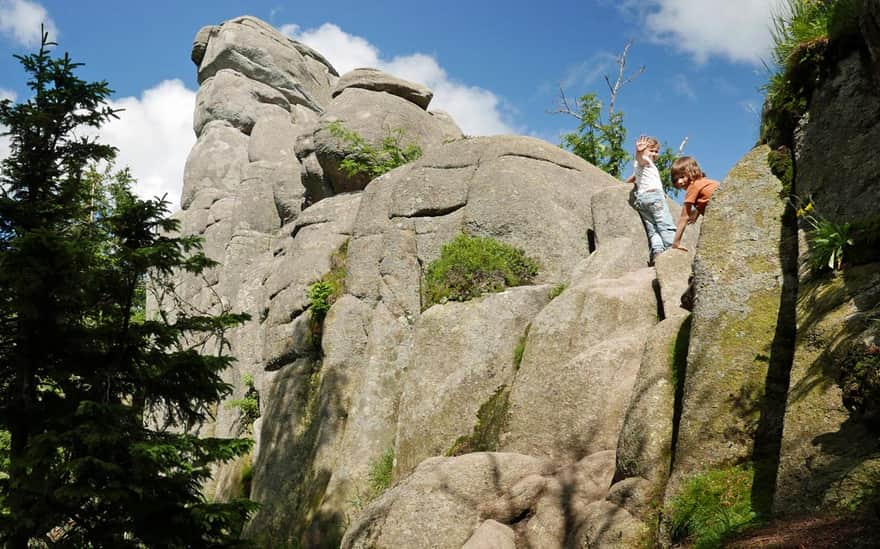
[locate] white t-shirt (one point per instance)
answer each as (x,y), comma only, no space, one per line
(647,177)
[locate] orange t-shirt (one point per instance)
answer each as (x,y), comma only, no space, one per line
(699,192)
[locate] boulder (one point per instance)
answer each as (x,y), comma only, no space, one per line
(455,369)
(743,280)
(437,505)
(674,269)
(611,527)
(378,81)
(261,53)
(561,510)
(491,535)
(200,43)
(375,117)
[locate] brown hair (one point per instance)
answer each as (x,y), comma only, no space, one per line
(686,166)
(652,141)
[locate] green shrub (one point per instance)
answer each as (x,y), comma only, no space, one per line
(471,266)
(361,158)
(712,506)
(248,406)
(323,293)
(827,241)
(319,294)
(380,473)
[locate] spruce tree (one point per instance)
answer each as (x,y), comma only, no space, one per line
(80,365)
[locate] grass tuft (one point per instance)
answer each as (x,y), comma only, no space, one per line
(713,506)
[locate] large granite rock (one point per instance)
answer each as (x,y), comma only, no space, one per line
(259,52)
(445,503)
(834,164)
(438,504)
(376,80)
(455,368)
(584,349)
(375,117)
(739,328)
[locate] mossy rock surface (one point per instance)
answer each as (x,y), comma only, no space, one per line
(830,459)
(739,277)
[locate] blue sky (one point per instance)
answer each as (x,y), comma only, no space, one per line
(495,66)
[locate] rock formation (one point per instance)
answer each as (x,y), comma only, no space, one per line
(560,414)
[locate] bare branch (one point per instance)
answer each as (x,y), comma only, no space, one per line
(681,147)
(622,80)
(564,107)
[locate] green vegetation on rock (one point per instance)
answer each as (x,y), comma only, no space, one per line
(809,36)
(363,158)
(248,406)
(491,421)
(782,166)
(557,290)
(471,266)
(323,293)
(712,506)
(380,473)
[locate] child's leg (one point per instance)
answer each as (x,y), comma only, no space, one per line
(665,226)
(655,241)
(655,216)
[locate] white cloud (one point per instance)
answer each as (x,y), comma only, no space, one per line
(737,31)
(154,136)
(476,110)
(20,21)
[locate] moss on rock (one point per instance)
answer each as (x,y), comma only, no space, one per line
(491,421)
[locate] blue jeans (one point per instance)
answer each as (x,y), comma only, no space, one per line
(654,211)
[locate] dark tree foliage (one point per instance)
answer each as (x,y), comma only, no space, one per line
(80,365)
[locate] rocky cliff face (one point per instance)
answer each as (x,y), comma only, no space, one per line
(552,415)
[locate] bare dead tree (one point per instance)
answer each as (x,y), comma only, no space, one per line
(572,107)
(622,79)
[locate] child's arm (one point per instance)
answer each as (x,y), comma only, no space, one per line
(641,147)
(683,221)
(631,179)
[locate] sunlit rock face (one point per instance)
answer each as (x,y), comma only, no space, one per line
(542,396)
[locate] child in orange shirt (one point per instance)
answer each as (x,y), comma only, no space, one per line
(687,175)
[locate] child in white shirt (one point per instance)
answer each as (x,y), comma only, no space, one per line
(650,200)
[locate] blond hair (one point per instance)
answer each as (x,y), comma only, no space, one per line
(686,166)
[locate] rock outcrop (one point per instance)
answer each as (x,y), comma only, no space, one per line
(561,414)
